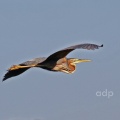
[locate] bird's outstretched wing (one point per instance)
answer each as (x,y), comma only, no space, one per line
(62,53)
(20,68)
(12,73)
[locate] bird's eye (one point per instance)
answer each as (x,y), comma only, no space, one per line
(74,60)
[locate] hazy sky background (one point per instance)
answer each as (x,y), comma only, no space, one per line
(34,28)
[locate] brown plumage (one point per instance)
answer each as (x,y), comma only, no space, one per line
(55,62)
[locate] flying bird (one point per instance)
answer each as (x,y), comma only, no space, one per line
(55,62)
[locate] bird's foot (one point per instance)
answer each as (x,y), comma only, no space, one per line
(14,67)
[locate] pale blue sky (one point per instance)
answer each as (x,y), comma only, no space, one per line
(34,28)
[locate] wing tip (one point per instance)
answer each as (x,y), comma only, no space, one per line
(101,45)
(4,78)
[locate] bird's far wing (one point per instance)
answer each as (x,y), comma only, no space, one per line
(34,61)
(62,53)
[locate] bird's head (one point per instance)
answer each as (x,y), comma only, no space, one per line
(72,64)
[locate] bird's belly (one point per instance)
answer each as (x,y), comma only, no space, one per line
(63,68)
(57,68)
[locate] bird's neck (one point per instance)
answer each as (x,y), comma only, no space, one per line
(72,66)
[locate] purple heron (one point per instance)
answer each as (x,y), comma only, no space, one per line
(55,62)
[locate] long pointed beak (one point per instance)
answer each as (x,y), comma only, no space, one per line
(82,60)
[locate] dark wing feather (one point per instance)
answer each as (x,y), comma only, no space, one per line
(13,73)
(62,53)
